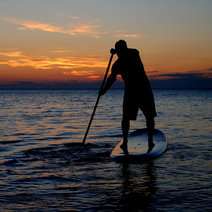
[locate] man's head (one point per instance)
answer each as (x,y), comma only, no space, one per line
(120,47)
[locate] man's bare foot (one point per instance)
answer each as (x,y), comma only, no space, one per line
(151,146)
(124,148)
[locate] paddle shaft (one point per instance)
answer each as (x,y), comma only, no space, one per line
(97,101)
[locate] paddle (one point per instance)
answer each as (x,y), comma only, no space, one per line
(97,101)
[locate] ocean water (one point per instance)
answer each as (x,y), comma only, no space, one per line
(44,167)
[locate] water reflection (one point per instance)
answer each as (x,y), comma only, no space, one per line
(139,186)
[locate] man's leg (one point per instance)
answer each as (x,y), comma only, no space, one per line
(125,129)
(150,123)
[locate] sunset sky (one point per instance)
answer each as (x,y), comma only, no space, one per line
(63,41)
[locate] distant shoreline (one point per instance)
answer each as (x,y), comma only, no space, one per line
(175,83)
(54,89)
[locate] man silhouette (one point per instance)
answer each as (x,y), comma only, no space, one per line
(138,92)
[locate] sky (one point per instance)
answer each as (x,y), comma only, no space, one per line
(69,41)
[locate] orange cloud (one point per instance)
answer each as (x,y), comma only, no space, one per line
(128,35)
(94,77)
(120,33)
(59,51)
(79,29)
(12,54)
(73,65)
(79,73)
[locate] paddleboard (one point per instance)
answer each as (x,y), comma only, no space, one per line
(138,146)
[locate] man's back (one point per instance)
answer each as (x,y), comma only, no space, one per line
(131,68)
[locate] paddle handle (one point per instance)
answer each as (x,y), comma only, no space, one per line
(97,101)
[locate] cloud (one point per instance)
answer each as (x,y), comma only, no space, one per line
(71,66)
(74,30)
(189,80)
(94,77)
(12,54)
(128,35)
(77,73)
(87,74)
(121,34)
(74,17)
(59,51)
(77,28)
(189,74)
(18,59)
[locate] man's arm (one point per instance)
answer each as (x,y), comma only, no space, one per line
(111,79)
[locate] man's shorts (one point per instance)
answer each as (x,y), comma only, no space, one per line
(131,106)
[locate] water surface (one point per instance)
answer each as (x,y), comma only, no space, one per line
(44,167)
